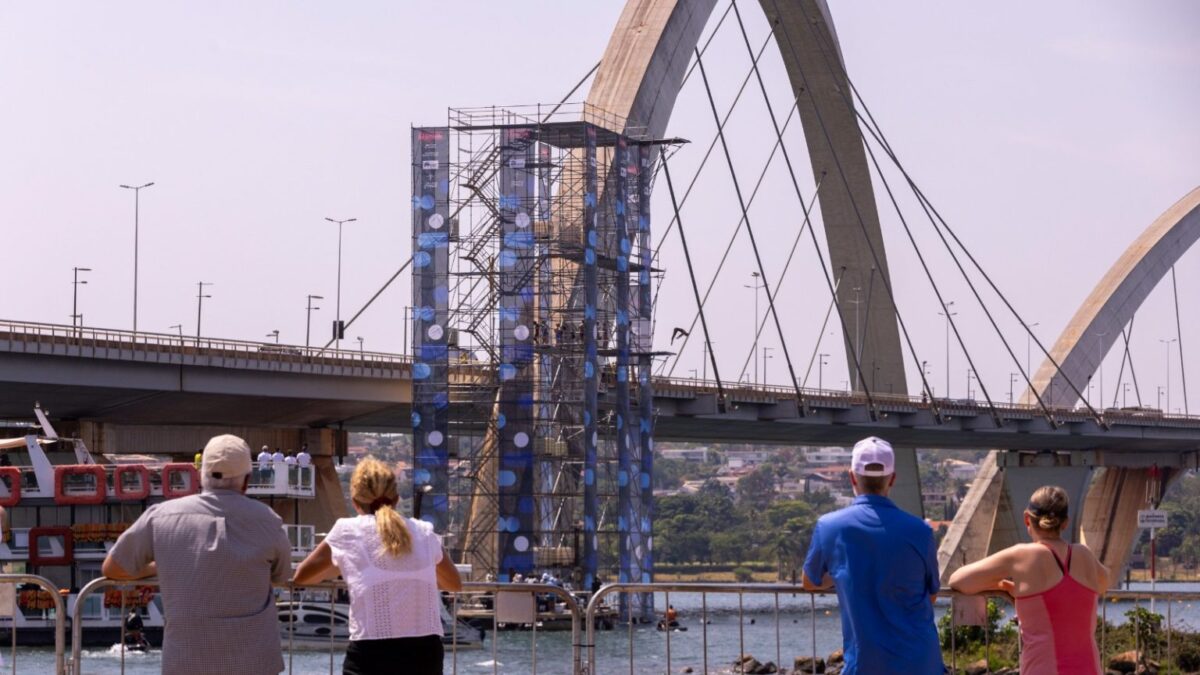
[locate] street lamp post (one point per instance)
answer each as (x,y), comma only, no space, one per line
(75,315)
(180,327)
(1012,378)
(308,320)
(274,334)
(755,286)
(200,296)
(766,355)
(1028,342)
(338,319)
(948,314)
(820,370)
(970,376)
(137,193)
(361,354)
(1167,344)
(1158,402)
(1124,394)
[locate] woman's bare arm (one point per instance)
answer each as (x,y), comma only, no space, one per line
(317,567)
(984,575)
(447,574)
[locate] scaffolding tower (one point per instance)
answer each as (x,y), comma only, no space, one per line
(532,335)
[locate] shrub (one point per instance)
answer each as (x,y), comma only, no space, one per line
(743,574)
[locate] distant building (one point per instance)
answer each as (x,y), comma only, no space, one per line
(827,456)
(744,458)
(699,455)
(960,470)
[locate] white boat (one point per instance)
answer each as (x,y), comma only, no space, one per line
(311,624)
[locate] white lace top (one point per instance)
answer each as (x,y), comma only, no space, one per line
(390,597)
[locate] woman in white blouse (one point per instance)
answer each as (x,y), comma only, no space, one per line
(393,567)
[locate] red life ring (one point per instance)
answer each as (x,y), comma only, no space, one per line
(193,480)
(97,496)
(143,475)
(35,556)
(14,485)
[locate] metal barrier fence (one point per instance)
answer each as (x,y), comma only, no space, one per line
(1152,638)
(58,608)
(510,603)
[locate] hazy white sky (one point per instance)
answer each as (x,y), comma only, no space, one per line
(1049,135)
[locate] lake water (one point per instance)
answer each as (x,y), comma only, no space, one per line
(802,623)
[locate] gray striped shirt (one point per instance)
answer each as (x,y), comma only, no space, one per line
(217,555)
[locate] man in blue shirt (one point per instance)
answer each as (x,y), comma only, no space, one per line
(883,564)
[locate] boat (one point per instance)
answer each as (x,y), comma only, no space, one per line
(66,506)
(479,613)
(310,622)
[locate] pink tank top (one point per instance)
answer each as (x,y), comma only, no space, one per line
(1058,627)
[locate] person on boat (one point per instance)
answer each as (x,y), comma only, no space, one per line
(264,464)
(1055,585)
(133,629)
(672,615)
(216,555)
(883,564)
(394,567)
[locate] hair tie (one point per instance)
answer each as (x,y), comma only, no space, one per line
(380,503)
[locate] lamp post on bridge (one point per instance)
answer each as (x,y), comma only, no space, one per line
(274,334)
(200,296)
(1012,378)
(970,376)
(180,327)
(755,286)
(337,325)
(137,193)
(361,354)
(1124,393)
(1167,344)
(1028,344)
(308,320)
(821,360)
(948,314)
(75,315)
(1158,402)
(766,355)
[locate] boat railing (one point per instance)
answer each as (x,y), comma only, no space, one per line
(290,480)
(513,603)
(45,592)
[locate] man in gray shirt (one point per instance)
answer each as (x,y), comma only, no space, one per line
(216,555)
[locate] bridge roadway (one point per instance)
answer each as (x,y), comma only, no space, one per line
(112,376)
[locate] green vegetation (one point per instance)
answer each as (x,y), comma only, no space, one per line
(712,527)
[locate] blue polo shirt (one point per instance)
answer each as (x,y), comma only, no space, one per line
(884,567)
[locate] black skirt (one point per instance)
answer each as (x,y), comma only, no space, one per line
(395,656)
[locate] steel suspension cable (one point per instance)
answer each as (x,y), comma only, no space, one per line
(854,204)
(729,246)
(1179,339)
(695,288)
(778,284)
(787,357)
(799,196)
(876,132)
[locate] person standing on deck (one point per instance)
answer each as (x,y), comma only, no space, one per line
(1054,584)
(216,555)
(883,564)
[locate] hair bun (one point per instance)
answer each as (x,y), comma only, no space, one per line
(1048,522)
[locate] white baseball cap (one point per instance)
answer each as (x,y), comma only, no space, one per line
(873,450)
(225,456)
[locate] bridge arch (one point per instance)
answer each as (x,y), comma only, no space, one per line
(640,77)
(1113,492)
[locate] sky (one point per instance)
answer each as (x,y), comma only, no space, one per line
(1049,140)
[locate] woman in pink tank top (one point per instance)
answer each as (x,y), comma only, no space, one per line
(1055,586)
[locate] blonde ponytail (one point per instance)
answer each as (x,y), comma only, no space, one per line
(373,489)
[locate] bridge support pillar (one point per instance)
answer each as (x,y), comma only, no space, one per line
(991,516)
(1106,490)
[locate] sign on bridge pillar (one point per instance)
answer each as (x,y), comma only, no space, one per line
(430,293)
